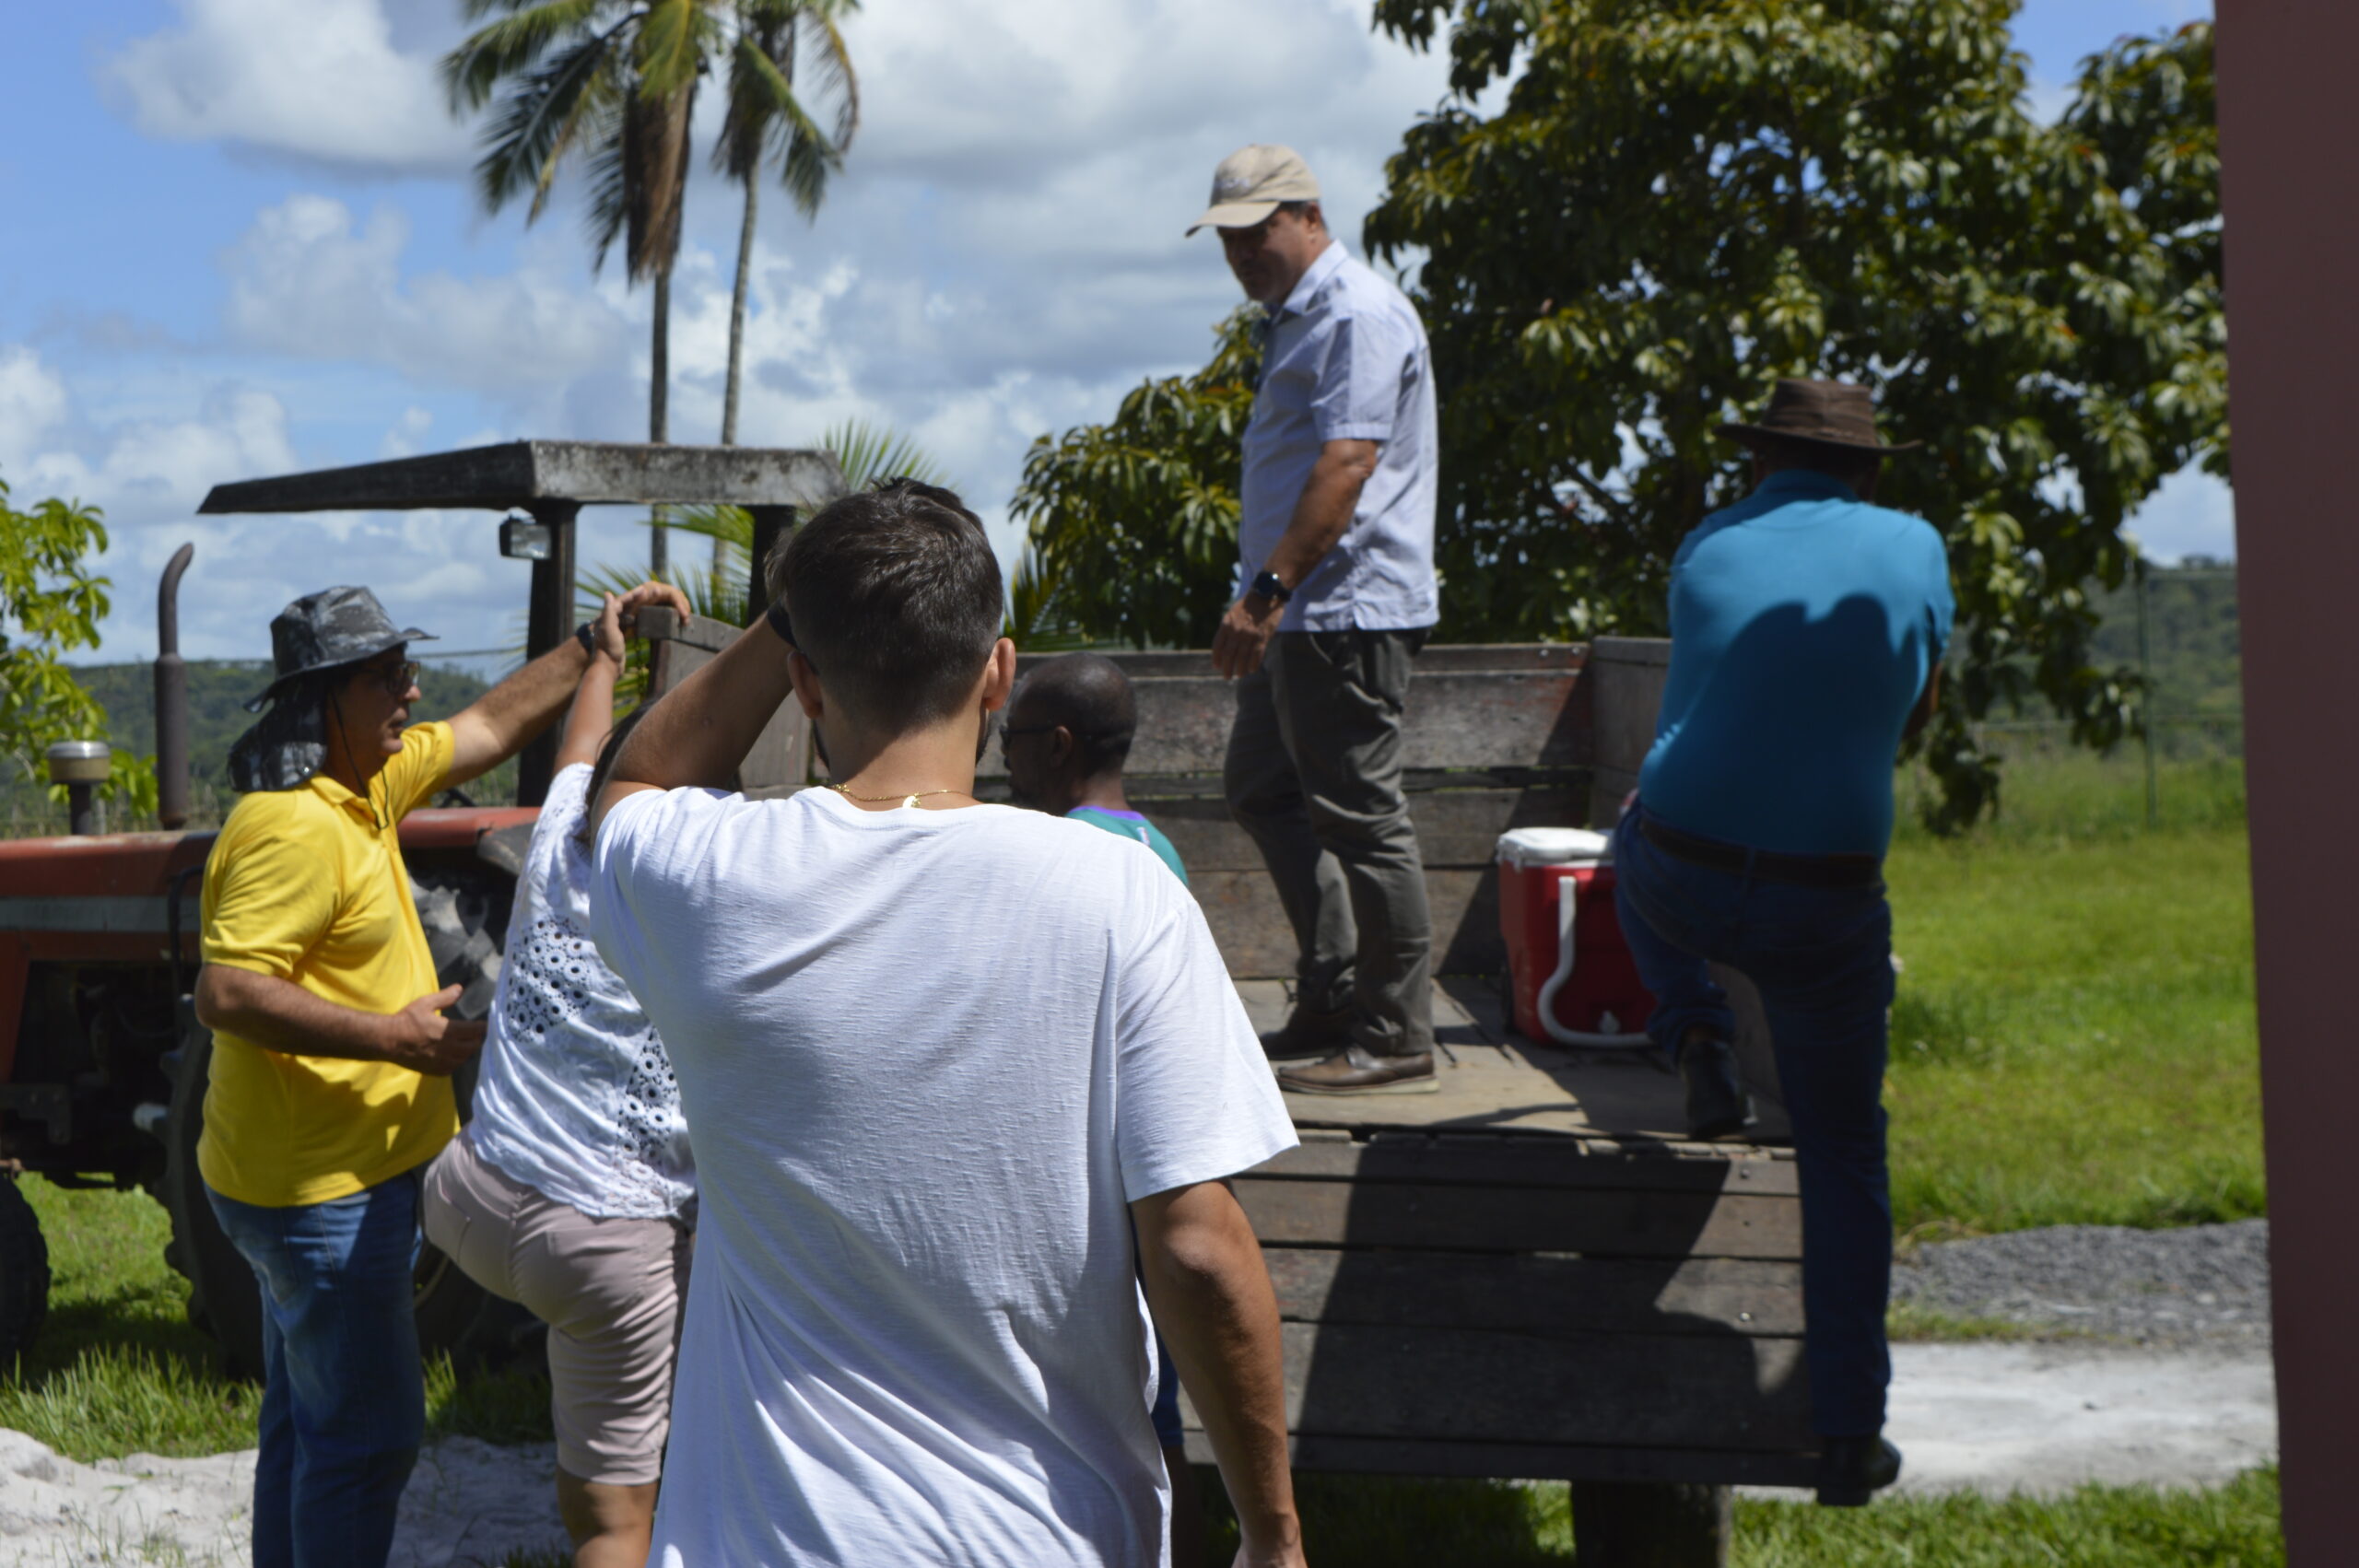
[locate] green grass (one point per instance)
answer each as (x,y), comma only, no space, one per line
(1372,1522)
(118,1370)
(2074,1040)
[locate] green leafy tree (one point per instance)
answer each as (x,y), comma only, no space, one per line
(1132,523)
(1681,200)
(51,605)
(1676,203)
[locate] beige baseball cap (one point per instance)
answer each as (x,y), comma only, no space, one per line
(1251,182)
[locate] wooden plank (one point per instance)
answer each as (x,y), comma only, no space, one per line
(1438,657)
(510,474)
(1477,1386)
(1533,1294)
(1455,718)
(1556,1163)
(1415,1457)
(1627,676)
(1456,829)
(1250,924)
(1516,1219)
(660,623)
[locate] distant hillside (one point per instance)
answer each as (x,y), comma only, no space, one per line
(2191,633)
(217,691)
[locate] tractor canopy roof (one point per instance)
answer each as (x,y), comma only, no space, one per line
(539,474)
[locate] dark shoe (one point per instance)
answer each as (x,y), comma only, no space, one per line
(1309,1036)
(1356,1071)
(1717,1103)
(1851,1467)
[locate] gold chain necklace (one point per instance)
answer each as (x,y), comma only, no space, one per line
(905,800)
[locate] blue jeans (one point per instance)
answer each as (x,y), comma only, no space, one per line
(344,1398)
(1822,959)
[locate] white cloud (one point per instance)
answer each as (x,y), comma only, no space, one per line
(32,403)
(2192,514)
(317,80)
(304,282)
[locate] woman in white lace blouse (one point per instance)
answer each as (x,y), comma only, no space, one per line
(572,1189)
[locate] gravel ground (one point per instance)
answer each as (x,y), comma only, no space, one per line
(2200,1285)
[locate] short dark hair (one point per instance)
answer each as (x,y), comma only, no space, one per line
(1848,464)
(1088,693)
(895,600)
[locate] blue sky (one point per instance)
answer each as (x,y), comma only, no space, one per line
(237,239)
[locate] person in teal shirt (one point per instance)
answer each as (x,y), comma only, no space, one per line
(1066,738)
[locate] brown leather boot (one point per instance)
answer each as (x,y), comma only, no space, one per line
(1355,1071)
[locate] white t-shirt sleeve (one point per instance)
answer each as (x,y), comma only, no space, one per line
(649,845)
(1194,1097)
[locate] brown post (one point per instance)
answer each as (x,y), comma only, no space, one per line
(548,623)
(2293,332)
(771,525)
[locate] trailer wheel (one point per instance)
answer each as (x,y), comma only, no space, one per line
(24,1276)
(454,1314)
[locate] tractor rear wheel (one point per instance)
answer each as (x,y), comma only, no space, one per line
(24,1275)
(454,1315)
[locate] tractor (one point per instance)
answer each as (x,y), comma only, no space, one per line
(102,1063)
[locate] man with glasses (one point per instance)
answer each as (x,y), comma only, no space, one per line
(330,1087)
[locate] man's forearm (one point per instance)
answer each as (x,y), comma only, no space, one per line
(1323,513)
(280,1016)
(1211,1295)
(502,721)
(698,733)
(592,717)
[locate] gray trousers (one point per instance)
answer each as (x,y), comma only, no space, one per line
(1313,775)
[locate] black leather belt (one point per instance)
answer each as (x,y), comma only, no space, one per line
(1808,870)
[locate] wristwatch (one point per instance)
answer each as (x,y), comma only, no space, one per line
(586,634)
(1267,586)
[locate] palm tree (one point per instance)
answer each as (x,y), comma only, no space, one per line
(612,82)
(768,121)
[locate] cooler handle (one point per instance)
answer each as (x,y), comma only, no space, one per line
(1567,906)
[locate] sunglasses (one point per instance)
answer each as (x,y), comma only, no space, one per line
(397,679)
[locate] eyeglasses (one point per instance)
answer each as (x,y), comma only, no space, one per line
(397,679)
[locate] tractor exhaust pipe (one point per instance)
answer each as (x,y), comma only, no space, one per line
(172,697)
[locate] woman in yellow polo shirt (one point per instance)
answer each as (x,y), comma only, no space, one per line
(330,1086)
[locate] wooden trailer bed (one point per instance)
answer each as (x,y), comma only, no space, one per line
(1530,1273)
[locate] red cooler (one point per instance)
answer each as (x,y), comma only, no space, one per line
(1573,978)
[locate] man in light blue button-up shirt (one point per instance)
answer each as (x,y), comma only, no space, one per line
(1335,595)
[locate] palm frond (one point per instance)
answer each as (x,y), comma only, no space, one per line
(673,38)
(1038,620)
(605,206)
(541,119)
(868,453)
(761,96)
(472,71)
(831,59)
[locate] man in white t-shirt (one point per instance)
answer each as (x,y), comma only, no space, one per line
(933,1054)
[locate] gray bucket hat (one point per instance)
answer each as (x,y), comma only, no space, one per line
(317,633)
(320,631)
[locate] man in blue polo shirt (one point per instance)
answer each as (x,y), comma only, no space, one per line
(1807,628)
